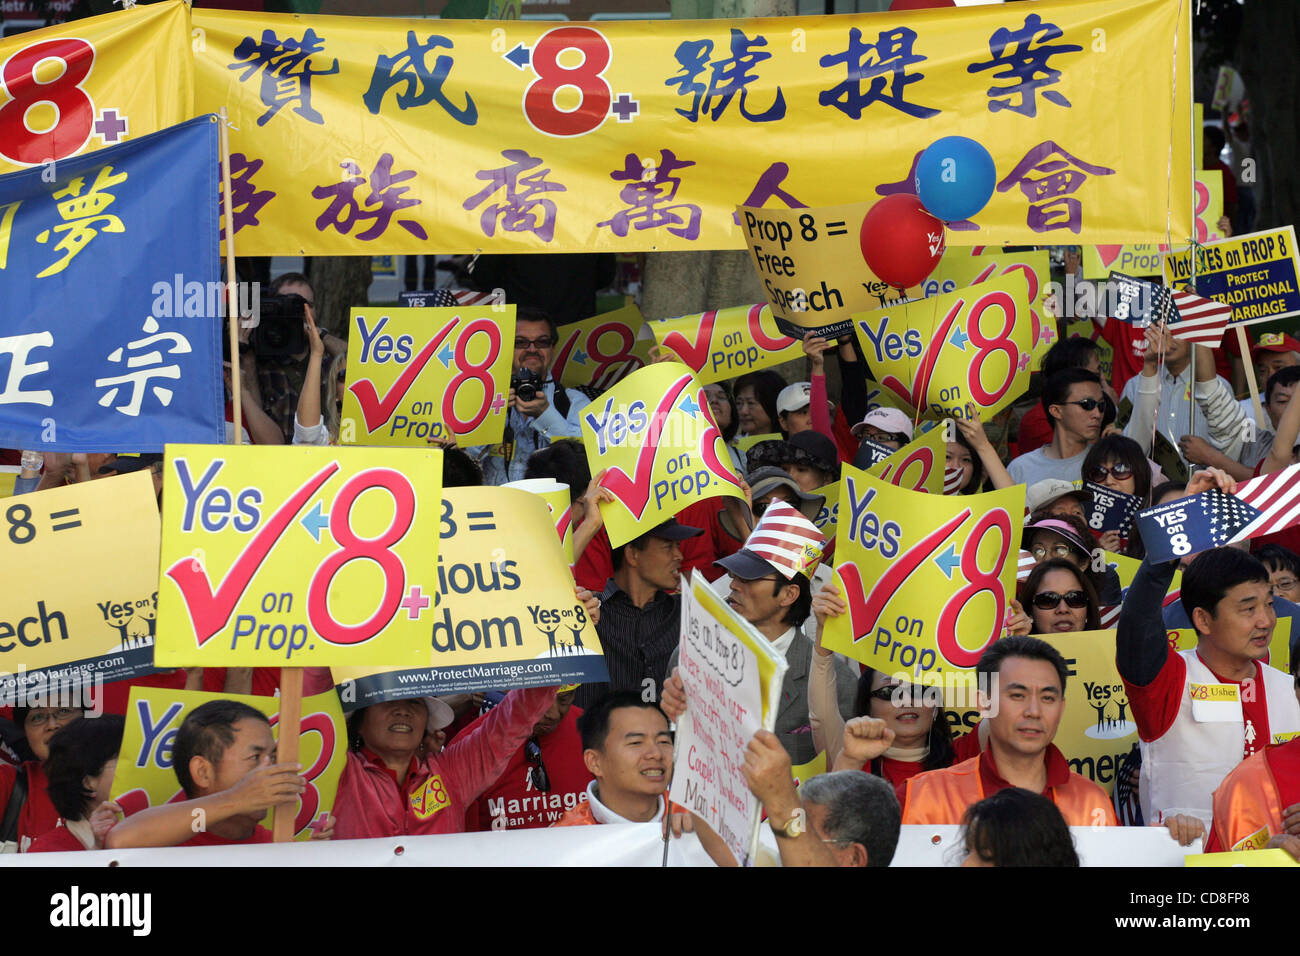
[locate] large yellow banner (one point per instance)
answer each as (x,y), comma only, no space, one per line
(655,434)
(899,550)
(417,374)
(363,136)
(80,593)
(297,556)
(78,87)
(505,613)
(974,345)
(146,776)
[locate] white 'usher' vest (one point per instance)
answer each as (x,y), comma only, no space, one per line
(1182,769)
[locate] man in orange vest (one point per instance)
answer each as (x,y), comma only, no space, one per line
(628,747)
(1022,682)
(1258,804)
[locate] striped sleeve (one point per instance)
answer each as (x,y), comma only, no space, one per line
(1223,416)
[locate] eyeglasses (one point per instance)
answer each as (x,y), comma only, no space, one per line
(1061,550)
(1050,600)
(1284,584)
(38,718)
(1087,404)
(545,342)
(541,780)
(1118,471)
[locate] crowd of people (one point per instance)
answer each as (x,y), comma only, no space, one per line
(1225,768)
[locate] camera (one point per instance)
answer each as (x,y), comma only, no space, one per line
(280,335)
(527,384)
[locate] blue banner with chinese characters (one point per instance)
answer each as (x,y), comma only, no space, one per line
(380,136)
(109,274)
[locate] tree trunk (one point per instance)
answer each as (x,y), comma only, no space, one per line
(680,283)
(1266,49)
(339,283)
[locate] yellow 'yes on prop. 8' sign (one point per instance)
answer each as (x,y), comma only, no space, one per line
(428,373)
(655,435)
(927,578)
(297,556)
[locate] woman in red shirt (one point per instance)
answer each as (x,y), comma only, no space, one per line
(25,807)
(922,738)
(80,768)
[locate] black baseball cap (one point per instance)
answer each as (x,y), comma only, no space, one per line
(673,530)
(745,565)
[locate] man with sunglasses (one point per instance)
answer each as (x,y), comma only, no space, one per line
(545,777)
(532,423)
(1075,407)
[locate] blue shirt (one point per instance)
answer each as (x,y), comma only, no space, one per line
(530,434)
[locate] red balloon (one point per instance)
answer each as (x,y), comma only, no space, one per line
(920,4)
(901,242)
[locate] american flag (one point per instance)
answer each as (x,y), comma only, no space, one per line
(1199,319)
(787,540)
(1274,500)
(951,480)
(468,297)
(1190,317)
(1110,616)
(1228,515)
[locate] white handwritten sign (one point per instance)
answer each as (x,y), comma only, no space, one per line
(733,679)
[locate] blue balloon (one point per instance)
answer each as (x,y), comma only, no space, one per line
(955,178)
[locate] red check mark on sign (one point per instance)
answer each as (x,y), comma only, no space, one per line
(634,490)
(865,609)
(375,410)
(694,354)
(210,610)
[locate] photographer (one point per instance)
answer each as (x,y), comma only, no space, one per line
(275,355)
(540,410)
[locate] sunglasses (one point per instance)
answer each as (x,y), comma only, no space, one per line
(1118,471)
(545,342)
(541,780)
(890,694)
(1087,404)
(1050,600)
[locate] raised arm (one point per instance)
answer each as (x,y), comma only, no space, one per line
(174,823)
(972,429)
(1288,430)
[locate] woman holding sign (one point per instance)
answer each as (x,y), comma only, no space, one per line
(895,735)
(1117,463)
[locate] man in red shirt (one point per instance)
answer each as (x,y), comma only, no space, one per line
(224,759)
(544,778)
(1024,679)
(1200,712)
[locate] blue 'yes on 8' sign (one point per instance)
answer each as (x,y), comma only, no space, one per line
(1179,528)
(1111,510)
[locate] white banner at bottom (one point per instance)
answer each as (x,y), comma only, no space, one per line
(633,844)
